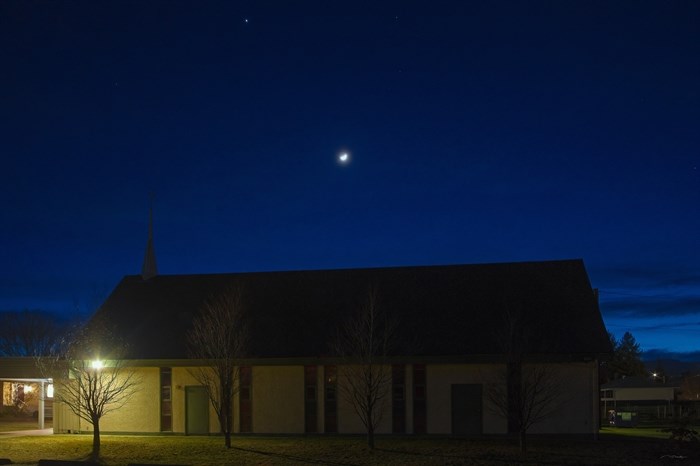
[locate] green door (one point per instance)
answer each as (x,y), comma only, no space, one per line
(196,410)
(467,410)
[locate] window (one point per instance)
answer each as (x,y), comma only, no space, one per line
(398,399)
(310,388)
(419,399)
(166,401)
(245,402)
(330,404)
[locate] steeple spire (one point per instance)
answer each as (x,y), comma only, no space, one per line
(149,268)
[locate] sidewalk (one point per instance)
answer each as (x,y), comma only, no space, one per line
(26,433)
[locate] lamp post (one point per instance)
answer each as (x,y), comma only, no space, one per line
(97,364)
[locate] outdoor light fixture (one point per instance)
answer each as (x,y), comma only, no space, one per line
(28,388)
(97,364)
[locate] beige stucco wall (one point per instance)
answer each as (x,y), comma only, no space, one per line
(577,405)
(64,421)
(180,378)
(183,377)
(278,399)
(440,377)
(349,422)
(278,402)
(577,411)
(142,412)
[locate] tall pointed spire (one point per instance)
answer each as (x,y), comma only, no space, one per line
(149,268)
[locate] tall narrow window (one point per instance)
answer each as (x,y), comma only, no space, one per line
(245,401)
(310,389)
(166,400)
(398,398)
(330,402)
(419,399)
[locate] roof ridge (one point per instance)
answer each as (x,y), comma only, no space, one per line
(373,268)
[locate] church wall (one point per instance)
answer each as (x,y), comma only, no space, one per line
(278,404)
(278,399)
(441,377)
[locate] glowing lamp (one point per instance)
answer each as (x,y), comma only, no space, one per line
(97,364)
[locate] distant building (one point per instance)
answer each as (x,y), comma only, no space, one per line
(24,391)
(648,397)
(446,357)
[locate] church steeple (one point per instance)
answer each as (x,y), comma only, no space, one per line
(149,268)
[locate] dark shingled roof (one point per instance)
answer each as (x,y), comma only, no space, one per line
(451,310)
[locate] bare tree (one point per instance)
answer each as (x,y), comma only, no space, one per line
(690,388)
(364,343)
(90,377)
(219,337)
(526,392)
(30,333)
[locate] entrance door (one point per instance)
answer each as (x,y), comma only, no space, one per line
(467,410)
(197,410)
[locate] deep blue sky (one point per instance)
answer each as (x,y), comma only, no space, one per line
(478,131)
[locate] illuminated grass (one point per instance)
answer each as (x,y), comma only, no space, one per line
(200,451)
(644,432)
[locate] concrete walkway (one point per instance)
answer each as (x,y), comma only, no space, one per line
(26,433)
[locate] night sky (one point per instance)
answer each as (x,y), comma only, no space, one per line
(477,131)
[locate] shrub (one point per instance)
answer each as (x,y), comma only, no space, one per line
(683,432)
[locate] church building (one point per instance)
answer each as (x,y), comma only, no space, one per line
(447,358)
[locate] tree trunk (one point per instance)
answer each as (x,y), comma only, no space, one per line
(228,428)
(95,455)
(370,415)
(228,418)
(523,441)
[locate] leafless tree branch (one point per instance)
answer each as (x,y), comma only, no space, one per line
(90,376)
(525,393)
(364,342)
(219,337)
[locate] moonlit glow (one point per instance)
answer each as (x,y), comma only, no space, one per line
(344,158)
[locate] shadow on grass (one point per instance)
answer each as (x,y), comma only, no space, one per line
(291,457)
(442,456)
(45,462)
(481,458)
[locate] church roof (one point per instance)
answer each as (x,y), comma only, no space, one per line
(447,310)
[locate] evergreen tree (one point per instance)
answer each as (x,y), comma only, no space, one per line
(627,357)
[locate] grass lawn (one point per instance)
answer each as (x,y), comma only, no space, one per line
(121,450)
(644,432)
